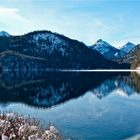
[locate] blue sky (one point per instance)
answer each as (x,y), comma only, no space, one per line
(86,20)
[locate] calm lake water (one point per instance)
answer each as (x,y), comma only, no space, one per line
(83,106)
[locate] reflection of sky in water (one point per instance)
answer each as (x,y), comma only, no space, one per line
(114,116)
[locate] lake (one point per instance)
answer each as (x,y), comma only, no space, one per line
(83,105)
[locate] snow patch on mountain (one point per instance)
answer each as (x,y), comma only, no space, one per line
(107,50)
(103,46)
(49,42)
(127,47)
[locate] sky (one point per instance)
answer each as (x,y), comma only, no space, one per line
(115,21)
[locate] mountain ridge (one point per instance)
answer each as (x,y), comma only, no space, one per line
(127,47)
(107,50)
(61,51)
(62,35)
(3,33)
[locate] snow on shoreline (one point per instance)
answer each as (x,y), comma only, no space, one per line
(138,68)
(15,127)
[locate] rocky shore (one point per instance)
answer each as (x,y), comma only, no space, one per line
(18,127)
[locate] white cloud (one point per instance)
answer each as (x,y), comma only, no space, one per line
(4,9)
(80,26)
(13,22)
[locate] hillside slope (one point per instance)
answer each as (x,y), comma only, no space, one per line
(58,50)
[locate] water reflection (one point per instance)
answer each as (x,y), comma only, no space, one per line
(124,85)
(135,81)
(51,88)
(83,105)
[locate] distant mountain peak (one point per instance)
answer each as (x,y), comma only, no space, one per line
(104,44)
(99,40)
(107,50)
(3,33)
(129,43)
(127,47)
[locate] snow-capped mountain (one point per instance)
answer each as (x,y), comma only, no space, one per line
(107,50)
(3,33)
(103,46)
(133,56)
(127,47)
(58,51)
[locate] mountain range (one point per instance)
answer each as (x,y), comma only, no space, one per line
(45,49)
(107,50)
(110,52)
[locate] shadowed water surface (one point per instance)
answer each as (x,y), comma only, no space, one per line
(84,105)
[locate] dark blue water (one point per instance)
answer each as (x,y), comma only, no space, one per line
(82,105)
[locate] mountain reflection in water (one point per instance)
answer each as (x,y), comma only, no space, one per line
(51,88)
(50,94)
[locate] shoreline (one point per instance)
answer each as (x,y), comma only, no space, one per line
(14,127)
